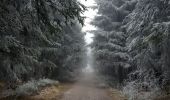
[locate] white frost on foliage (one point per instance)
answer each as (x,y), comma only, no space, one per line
(27,89)
(29,5)
(133,93)
(33,86)
(114,46)
(133,43)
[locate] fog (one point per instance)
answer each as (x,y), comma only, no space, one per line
(89,14)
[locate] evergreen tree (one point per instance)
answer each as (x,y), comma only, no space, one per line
(147,28)
(109,41)
(33,37)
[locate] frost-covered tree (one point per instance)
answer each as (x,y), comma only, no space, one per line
(109,41)
(73,53)
(147,28)
(32,37)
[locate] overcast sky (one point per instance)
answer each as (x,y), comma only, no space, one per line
(90,14)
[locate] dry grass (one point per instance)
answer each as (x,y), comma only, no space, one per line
(49,93)
(53,92)
(117,95)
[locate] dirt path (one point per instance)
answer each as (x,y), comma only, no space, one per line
(87,89)
(85,92)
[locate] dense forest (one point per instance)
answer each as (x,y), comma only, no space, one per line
(40,38)
(43,39)
(132,45)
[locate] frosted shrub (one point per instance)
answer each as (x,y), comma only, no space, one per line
(27,89)
(145,89)
(130,90)
(33,86)
(47,82)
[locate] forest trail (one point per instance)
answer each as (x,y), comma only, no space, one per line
(82,92)
(87,88)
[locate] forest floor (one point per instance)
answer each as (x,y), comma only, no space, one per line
(49,93)
(81,90)
(76,92)
(87,88)
(86,92)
